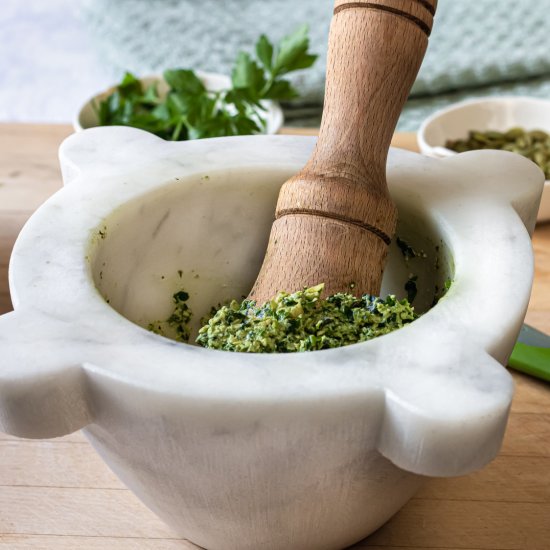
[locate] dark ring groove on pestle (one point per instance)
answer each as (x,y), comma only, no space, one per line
(427,5)
(310,212)
(367,5)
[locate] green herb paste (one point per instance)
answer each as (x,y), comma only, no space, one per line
(301,321)
(177,325)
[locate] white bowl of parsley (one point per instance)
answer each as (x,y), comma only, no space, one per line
(142,103)
(182,104)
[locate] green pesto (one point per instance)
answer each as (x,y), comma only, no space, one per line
(409,253)
(406,249)
(302,321)
(440,293)
(177,325)
(411,288)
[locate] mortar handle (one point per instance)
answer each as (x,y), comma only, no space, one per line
(336,213)
(43,390)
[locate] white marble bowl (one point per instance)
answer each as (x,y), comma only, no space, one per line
(86,116)
(245,451)
(495,113)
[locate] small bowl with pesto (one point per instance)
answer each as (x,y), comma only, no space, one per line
(517,124)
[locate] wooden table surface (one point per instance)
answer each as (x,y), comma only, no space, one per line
(58,494)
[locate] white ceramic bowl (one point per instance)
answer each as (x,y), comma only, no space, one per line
(86,116)
(500,114)
(309,451)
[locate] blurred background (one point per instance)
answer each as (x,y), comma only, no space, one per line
(55,54)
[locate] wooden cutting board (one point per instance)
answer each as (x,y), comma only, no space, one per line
(58,494)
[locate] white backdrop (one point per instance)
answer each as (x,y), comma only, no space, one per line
(47,64)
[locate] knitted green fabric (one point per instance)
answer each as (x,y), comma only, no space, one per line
(478,47)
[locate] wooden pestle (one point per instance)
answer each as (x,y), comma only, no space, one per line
(335,219)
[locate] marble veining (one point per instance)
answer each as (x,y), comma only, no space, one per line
(311,450)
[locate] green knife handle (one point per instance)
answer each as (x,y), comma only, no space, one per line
(531,360)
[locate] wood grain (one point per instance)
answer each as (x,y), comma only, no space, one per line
(29,174)
(68,542)
(334,219)
(58,494)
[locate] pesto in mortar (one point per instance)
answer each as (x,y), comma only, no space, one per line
(177,325)
(301,321)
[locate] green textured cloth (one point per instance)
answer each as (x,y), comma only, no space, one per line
(477,48)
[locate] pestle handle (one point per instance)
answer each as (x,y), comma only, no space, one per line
(335,218)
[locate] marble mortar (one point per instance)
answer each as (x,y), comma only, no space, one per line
(244,451)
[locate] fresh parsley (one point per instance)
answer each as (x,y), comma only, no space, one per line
(190,111)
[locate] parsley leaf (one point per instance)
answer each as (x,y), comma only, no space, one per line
(292,53)
(184,81)
(264,51)
(248,75)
